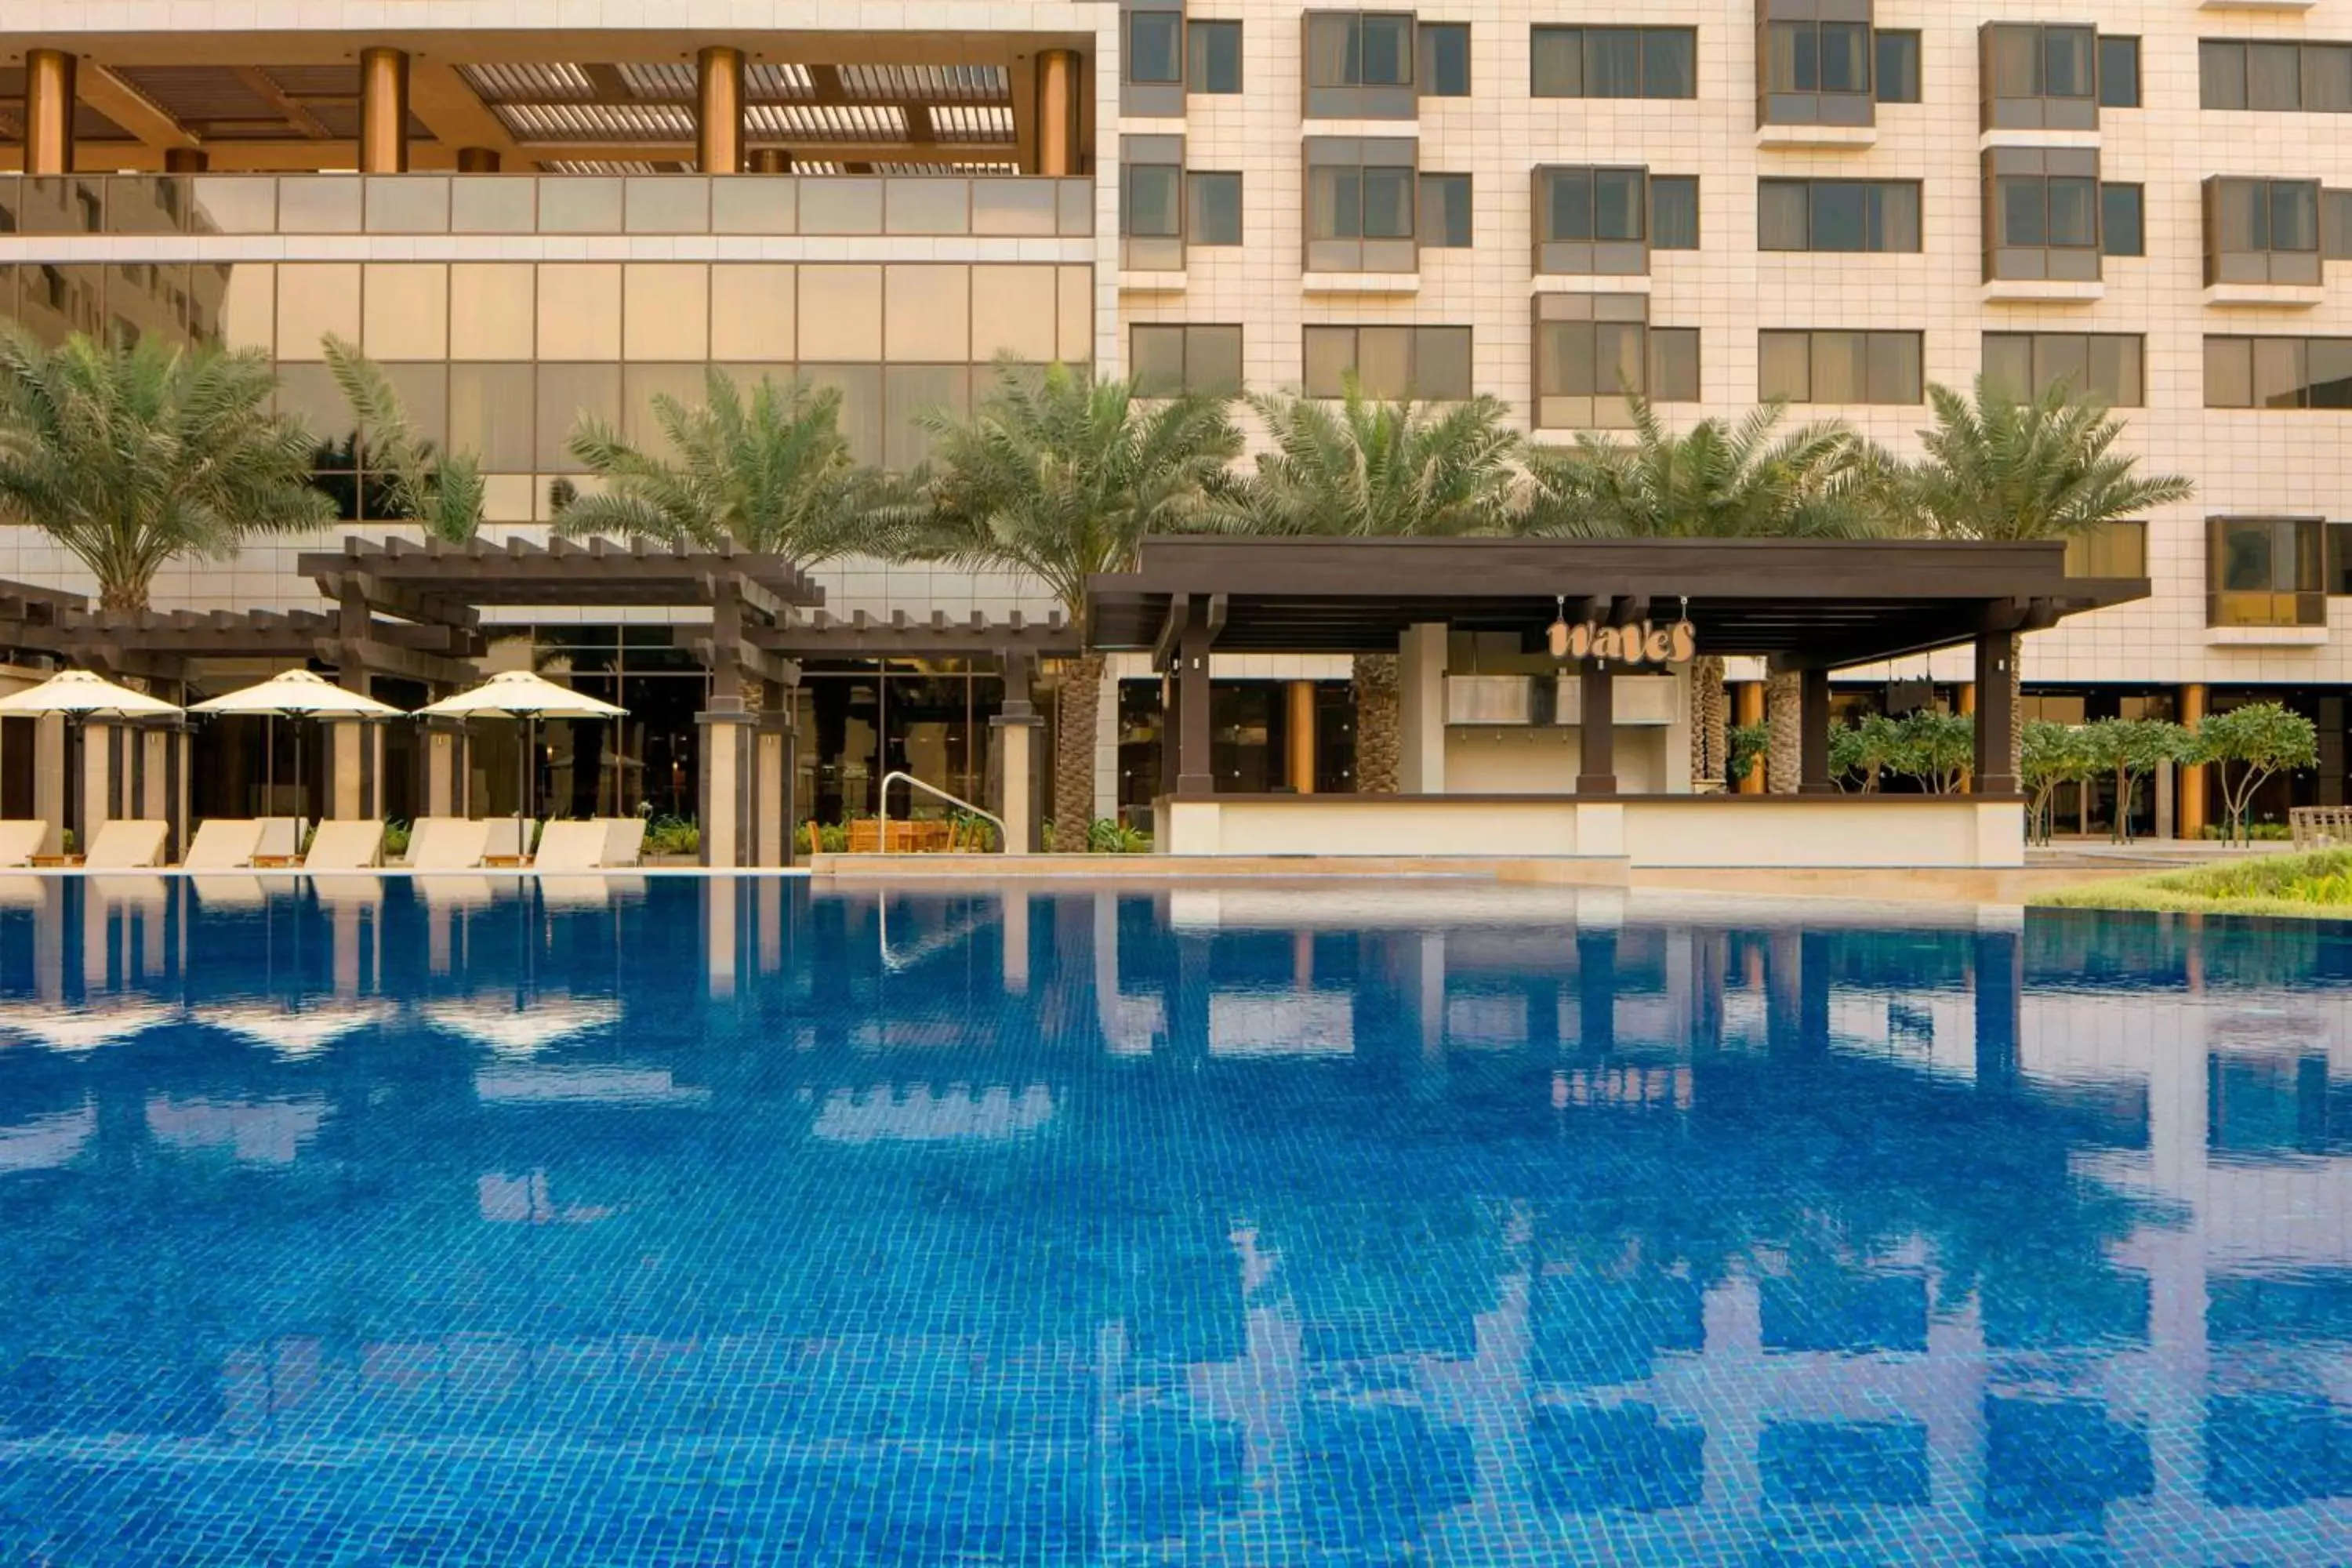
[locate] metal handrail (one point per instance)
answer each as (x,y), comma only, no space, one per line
(1003,835)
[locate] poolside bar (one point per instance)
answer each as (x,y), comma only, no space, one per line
(1543,689)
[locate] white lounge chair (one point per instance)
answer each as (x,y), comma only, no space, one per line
(282,837)
(126,844)
(20,841)
(505,840)
(448,844)
(345,847)
(624,840)
(224,844)
(570,846)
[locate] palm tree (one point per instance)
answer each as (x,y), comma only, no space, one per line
(771,473)
(442,492)
(1062,479)
(1371,468)
(130,456)
(1997,468)
(1719,480)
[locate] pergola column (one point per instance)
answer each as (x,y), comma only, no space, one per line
(161,776)
(1596,729)
(770,161)
(718,111)
(442,760)
(1195,771)
(1057,112)
(384,110)
(1995,704)
(2191,810)
(49,772)
(49,112)
(1421,709)
(1300,772)
(1814,743)
(103,767)
(773,824)
(356,760)
(726,804)
(1747,710)
(1016,724)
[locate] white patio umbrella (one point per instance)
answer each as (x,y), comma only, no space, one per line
(81,694)
(294,694)
(521,695)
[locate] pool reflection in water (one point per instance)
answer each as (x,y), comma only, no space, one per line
(731,1222)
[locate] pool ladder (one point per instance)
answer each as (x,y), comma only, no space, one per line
(913,783)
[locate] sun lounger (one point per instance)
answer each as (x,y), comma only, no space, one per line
(345,847)
(281,838)
(126,844)
(570,846)
(448,844)
(505,840)
(624,840)
(20,841)
(224,844)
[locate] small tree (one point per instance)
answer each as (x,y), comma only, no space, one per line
(2258,739)
(2126,750)
(1747,746)
(2049,755)
(1867,748)
(1936,748)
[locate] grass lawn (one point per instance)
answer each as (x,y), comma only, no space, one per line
(2317,884)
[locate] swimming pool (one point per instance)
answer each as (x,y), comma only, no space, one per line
(737,1221)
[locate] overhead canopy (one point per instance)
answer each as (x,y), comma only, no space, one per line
(1804,602)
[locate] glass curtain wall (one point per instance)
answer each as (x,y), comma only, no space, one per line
(861,720)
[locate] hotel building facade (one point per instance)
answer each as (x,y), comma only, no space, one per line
(532,211)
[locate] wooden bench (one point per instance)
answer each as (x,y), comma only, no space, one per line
(2315,826)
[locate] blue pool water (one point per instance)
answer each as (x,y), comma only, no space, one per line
(736,1222)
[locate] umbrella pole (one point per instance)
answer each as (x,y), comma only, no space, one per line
(268,764)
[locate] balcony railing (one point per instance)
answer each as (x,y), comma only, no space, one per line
(994,206)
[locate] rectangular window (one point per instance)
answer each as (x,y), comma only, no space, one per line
(2266,571)
(1838,215)
(1444,59)
(2117,549)
(1673,364)
(1816,73)
(1212,214)
(1614,62)
(1150,210)
(2262,231)
(1169,360)
(2119,72)
(2123,222)
(1155,47)
(2278,373)
(1674,212)
(2041,214)
(2110,366)
(1844,367)
(1899,66)
(1215,56)
(1591,221)
(1360,196)
(1353,48)
(1593,356)
(1430,364)
(2336,226)
(1446,212)
(2038,78)
(1152,204)
(2281,75)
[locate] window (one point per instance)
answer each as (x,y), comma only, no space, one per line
(1674,212)
(1348,49)
(1444,59)
(1838,366)
(1899,66)
(1215,56)
(2117,549)
(1152,204)
(1592,220)
(1361,195)
(2282,75)
(1213,211)
(2266,571)
(2123,224)
(1169,360)
(1155,47)
(1615,62)
(2336,226)
(2262,231)
(1594,353)
(2107,365)
(1815,72)
(2278,373)
(1837,214)
(1429,363)
(2041,213)
(2038,78)
(2119,72)
(1446,212)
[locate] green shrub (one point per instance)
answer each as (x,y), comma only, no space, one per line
(1108,836)
(673,836)
(395,839)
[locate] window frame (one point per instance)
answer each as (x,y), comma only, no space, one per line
(2110,190)
(1784,97)
(1198,35)
(1412,336)
(2035,342)
(2121,43)
(2036,108)
(1354,160)
(1194,228)
(1427,66)
(1592,254)
(1901,38)
(1871,339)
(2302,602)
(2266,263)
(2229,64)
(1697,222)
(1874,193)
(1186,332)
(1539,32)
(2283,359)
(1421,225)
(1128,53)
(2038,174)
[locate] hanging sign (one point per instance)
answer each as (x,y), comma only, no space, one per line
(1642,642)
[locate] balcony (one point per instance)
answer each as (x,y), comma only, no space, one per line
(993,206)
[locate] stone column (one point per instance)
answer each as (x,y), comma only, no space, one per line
(2191,808)
(773,824)
(724,787)
(102,770)
(1057,112)
(49,112)
(770,161)
(1301,772)
(164,781)
(1421,709)
(1596,729)
(1748,708)
(1784,711)
(49,802)
(383,111)
(1814,745)
(1016,749)
(444,791)
(1195,770)
(718,111)
(1994,651)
